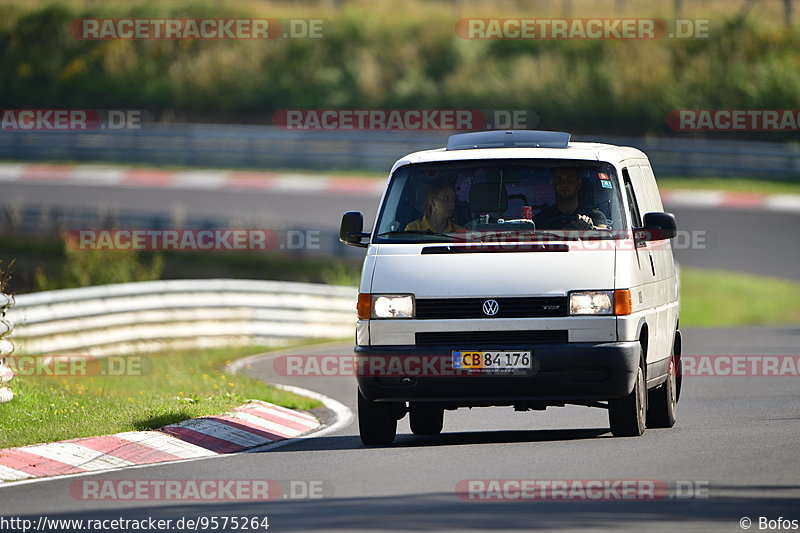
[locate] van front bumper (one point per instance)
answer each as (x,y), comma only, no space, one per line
(572,372)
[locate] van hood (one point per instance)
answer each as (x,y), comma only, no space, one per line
(401,268)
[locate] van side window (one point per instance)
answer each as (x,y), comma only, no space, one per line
(633,206)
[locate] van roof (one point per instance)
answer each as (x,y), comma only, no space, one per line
(458,150)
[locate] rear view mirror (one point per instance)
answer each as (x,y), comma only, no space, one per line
(351,231)
(657,227)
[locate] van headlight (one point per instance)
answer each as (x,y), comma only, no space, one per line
(392,306)
(617,302)
(591,303)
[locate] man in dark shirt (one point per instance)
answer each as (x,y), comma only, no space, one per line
(567,213)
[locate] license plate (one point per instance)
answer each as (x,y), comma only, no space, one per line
(501,361)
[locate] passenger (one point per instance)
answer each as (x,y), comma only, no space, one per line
(439,208)
(568,213)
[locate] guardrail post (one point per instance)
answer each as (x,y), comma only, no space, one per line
(6,348)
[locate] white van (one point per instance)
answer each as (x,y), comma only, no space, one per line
(517,268)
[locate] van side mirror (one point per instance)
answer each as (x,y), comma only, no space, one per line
(351,231)
(657,227)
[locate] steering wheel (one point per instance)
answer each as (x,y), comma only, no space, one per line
(560,222)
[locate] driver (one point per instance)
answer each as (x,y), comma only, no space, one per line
(568,213)
(439,208)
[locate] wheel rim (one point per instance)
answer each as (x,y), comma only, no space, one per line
(641,394)
(672,384)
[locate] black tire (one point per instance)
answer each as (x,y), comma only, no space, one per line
(677,350)
(425,419)
(377,423)
(661,401)
(627,415)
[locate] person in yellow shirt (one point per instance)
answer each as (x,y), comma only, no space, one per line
(439,208)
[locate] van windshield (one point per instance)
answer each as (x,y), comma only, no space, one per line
(501,200)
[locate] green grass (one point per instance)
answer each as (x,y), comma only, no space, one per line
(723,298)
(732,184)
(170,387)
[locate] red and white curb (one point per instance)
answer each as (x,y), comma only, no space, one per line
(190,179)
(787,203)
(210,179)
(245,428)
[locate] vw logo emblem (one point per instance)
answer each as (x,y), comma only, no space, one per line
(490,307)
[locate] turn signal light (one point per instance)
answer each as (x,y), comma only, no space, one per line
(364,306)
(622,302)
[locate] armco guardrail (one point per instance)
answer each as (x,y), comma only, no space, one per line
(156,315)
(6,347)
(245,146)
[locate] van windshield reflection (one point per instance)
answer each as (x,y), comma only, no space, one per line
(501,201)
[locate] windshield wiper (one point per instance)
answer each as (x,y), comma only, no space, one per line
(420,232)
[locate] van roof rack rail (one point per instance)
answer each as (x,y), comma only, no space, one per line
(508,139)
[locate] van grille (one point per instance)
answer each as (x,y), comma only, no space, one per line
(463,338)
(517,307)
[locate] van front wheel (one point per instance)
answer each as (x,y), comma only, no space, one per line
(627,415)
(377,423)
(661,403)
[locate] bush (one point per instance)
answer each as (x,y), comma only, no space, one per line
(82,268)
(389,57)
(5,274)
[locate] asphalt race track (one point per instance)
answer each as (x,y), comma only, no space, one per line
(735,442)
(735,436)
